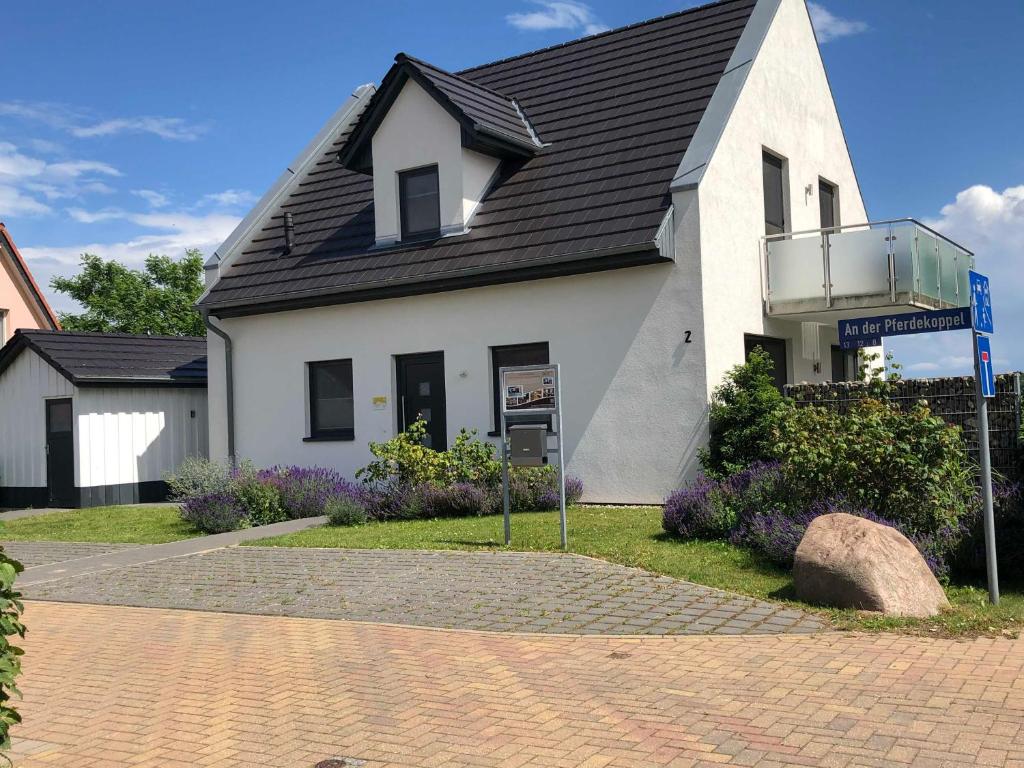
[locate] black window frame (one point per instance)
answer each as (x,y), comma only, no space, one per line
(779,163)
(403,178)
(825,186)
(497,364)
(316,434)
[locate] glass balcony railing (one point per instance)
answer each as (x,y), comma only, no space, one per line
(879,264)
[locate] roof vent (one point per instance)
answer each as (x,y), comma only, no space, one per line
(289,233)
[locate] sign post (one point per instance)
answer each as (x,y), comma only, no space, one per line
(529,391)
(984,388)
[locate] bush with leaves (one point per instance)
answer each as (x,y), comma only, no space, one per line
(346,510)
(259,495)
(215,513)
(196,476)
(745,411)
(907,466)
(11,625)
(405,460)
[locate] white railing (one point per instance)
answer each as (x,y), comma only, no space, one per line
(875,264)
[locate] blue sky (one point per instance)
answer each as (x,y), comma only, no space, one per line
(130,127)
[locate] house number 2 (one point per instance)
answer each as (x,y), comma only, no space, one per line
(687,339)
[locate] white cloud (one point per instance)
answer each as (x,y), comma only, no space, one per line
(151,196)
(83,124)
(24,178)
(558,14)
(828,26)
(173,128)
(990,223)
(230,198)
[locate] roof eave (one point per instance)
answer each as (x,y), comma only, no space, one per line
(600,259)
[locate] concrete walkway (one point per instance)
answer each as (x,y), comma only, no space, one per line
(137,555)
(118,687)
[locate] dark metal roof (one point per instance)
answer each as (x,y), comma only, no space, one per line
(490,121)
(114,358)
(616,112)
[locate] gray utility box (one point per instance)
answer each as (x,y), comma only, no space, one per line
(528,445)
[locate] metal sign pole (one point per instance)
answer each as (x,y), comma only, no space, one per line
(505,500)
(986,478)
(561,463)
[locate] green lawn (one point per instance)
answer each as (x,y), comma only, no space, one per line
(111,525)
(633,536)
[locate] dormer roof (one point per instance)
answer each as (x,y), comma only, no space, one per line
(491,122)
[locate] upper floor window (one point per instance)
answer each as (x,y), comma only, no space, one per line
(419,202)
(774,193)
(827,203)
(331,406)
(3,327)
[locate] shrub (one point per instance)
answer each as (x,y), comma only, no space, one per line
(535,489)
(459,500)
(346,510)
(906,466)
(11,610)
(699,511)
(305,491)
(405,460)
(471,460)
(259,496)
(214,512)
(198,477)
(745,411)
(394,501)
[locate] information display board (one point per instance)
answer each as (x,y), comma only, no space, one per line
(529,389)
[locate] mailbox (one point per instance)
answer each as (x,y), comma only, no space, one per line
(528,445)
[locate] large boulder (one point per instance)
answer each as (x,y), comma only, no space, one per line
(849,562)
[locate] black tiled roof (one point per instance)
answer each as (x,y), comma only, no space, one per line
(115,358)
(616,112)
(488,108)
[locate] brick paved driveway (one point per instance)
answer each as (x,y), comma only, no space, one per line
(117,687)
(35,553)
(499,591)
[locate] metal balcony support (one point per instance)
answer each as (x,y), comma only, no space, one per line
(827,264)
(890,239)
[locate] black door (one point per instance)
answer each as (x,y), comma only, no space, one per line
(421,395)
(776,349)
(844,364)
(60,453)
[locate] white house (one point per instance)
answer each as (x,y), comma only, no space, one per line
(93,418)
(603,204)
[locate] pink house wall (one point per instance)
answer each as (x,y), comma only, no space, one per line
(21,302)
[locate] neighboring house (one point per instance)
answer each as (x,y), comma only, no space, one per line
(97,418)
(603,204)
(22,304)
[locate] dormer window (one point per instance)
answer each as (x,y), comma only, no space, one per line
(419,203)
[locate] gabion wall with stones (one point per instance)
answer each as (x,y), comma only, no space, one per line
(950,398)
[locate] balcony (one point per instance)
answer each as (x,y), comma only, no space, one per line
(855,269)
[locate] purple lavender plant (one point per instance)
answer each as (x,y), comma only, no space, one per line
(305,491)
(216,512)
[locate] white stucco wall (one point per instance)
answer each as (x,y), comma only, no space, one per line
(785,106)
(24,388)
(136,434)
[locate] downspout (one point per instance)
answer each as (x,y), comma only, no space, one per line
(229,383)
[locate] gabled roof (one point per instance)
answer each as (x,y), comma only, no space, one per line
(30,284)
(616,112)
(491,122)
(94,359)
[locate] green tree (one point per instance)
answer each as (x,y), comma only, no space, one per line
(745,411)
(157,299)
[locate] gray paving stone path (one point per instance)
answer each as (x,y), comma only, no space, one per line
(33,554)
(496,591)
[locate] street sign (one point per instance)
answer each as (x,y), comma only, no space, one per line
(867,331)
(984,353)
(981,303)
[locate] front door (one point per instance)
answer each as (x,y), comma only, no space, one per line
(60,453)
(421,396)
